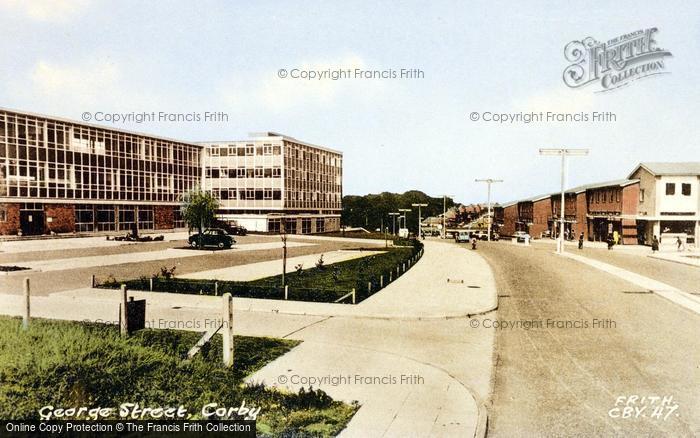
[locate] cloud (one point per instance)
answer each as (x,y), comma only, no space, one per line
(45,10)
(86,83)
(283,93)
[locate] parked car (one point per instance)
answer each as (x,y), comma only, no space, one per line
(462,236)
(522,236)
(231,228)
(212,237)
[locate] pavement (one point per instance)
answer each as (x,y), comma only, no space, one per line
(254,271)
(138,257)
(410,358)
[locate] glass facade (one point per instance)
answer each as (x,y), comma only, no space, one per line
(44,159)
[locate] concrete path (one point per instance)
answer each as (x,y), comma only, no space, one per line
(30,245)
(414,372)
(684,299)
(118,259)
(685,257)
(254,271)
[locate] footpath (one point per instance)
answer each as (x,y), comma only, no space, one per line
(406,354)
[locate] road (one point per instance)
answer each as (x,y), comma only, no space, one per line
(556,381)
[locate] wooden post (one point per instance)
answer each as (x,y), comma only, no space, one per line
(92,283)
(286,291)
(369,287)
(150,284)
(25,318)
(124,314)
(390,274)
(353,295)
(216,288)
(381,281)
(404,267)
(227,328)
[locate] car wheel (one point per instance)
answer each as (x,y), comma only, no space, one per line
(193,244)
(221,245)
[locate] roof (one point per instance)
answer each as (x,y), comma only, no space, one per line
(267,135)
(103,127)
(613,183)
(671,168)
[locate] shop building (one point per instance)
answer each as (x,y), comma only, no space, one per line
(668,204)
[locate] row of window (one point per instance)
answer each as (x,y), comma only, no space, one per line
(248,194)
(244,172)
(248,150)
(685,189)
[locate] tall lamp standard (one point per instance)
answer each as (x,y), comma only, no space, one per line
(403,210)
(393,222)
(563,152)
(420,227)
(444,213)
(488,182)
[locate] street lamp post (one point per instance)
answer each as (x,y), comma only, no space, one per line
(420,228)
(563,152)
(393,222)
(404,210)
(488,182)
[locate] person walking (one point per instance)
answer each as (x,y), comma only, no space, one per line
(473,242)
(611,242)
(679,243)
(655,244)
(580,241)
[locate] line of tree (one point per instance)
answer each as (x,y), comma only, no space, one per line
(372,211)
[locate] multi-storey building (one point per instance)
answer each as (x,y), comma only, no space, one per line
(59,175)
(612,208)
(273,177)
(669,200)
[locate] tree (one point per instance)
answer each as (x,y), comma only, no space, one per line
(198,208)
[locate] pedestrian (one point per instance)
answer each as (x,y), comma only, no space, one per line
(473,242)
(679,242)
(611,242)
(655,244)
(580,241)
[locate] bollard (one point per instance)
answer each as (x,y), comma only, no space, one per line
(92,283)
(286,291)
(25,318)
(353,295)
(381,281)
(150,284)
(227,333)
(124,314)
(369,287)
(390,279)
(216,288)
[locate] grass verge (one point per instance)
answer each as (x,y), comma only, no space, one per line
(71,364)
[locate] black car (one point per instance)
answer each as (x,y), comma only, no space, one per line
(212,237)
(231,228)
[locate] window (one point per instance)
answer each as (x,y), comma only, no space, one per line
(276,172)
(641,195)
(305,226)
(3,215)
(214,152)
(685,189)
(670,189)
(267,149)
(249,149)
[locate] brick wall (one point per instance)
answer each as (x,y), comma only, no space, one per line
(11,223)
(62,218)
(510,216)
(581,225)
(541,212)
(163,217)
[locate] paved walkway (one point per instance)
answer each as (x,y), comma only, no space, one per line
(433,374)
(684,257)
(684,299)
(118,259)
(254,271)
(30,245)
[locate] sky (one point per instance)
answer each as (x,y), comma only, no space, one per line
(68,57)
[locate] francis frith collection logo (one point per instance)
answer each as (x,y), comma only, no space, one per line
(615,63)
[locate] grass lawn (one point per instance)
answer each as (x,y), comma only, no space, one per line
(326,283)
(71,364)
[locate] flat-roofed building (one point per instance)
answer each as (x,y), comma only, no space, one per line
(271,176)
(611,209)
(62,176)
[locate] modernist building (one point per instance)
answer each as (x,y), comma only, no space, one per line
(272,176)
(669,200)
(61,176)
(612,208)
